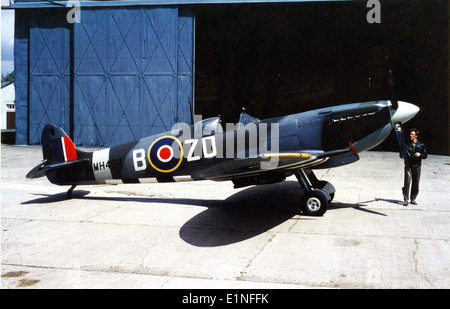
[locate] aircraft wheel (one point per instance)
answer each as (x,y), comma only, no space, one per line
(326,186)
(315,202)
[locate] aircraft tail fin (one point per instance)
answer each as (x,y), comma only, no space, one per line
(58,151)
(56,145)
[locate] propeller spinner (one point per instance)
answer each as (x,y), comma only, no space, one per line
(404,112)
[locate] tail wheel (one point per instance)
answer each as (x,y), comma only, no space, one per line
(315,202)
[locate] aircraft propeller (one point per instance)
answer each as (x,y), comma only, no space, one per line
(397,126)
(392,93)
(400,113)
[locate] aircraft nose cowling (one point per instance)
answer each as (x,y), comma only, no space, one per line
(404,112)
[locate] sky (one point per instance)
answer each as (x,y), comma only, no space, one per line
(7,39)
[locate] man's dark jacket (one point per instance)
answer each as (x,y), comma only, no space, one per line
(411,149)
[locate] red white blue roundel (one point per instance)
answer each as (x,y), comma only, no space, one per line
(165,154)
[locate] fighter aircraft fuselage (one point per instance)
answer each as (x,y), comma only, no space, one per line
(250,152)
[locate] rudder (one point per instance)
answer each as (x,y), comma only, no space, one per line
(57,145)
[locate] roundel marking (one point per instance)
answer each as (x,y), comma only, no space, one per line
(165,154)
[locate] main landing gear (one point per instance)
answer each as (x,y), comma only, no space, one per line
(317,194)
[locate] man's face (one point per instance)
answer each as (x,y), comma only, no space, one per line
(413,135)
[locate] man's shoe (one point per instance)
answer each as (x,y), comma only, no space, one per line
(413,202)
(405,203)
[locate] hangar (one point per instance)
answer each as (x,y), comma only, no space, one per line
(122,73)
(132,68)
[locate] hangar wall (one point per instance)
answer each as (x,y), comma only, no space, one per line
(284,58)
(121,74)
(272,58)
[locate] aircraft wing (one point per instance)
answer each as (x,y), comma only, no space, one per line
(229,169)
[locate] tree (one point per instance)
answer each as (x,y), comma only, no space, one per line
(8,77)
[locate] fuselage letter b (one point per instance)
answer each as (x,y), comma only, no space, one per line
(139,160)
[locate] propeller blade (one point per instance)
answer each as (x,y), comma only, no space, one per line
(392,93)
(401,140)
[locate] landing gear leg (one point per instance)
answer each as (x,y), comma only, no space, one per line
(314,201)
(69,193)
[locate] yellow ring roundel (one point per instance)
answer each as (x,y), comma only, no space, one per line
(165,154)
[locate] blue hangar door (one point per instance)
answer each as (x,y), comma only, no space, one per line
(123,73)
(49,76)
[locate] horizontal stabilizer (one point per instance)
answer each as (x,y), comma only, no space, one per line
(64,164)
(37,171)
(41,168)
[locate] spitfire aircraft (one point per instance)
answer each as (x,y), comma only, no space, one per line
(253,152)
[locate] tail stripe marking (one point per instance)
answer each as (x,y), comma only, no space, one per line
(70,152)
(63,149)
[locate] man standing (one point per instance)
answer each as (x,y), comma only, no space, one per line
(415,152)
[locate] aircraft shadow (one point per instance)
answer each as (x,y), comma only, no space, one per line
(53,198)
(249,213)
(243,215)
(397,202)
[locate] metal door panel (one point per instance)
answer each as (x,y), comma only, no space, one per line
(49,85)
(132,73)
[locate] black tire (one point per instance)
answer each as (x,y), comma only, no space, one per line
(322,184)
(315,202)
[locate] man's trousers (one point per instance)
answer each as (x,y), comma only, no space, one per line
(412,179)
